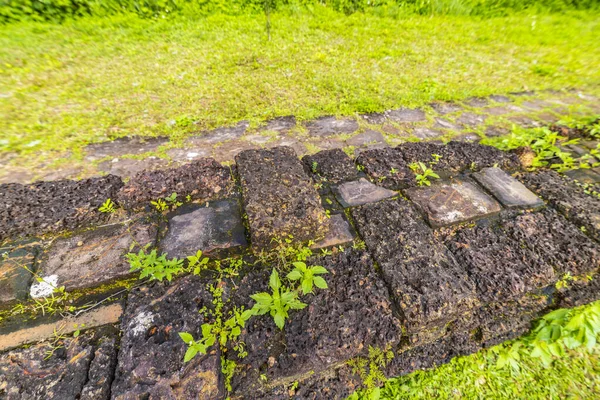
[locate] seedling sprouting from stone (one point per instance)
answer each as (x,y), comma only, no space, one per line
(107,207)
(313,167)
(308,276)
(423,173)
(169,202)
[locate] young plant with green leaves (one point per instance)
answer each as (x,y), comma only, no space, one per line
(423,173)
(278,302)
(108,207)
(308,276)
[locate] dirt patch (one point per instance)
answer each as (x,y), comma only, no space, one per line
(202,180)
(45,207)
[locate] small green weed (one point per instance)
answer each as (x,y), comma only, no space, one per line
(423,173)
(107,207)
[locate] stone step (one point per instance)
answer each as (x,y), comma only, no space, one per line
(279,198)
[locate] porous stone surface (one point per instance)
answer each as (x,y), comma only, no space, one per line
(332,166)
(580,208)
(122,146)
(451,202)
(499,266)
(470,119)
(339,233)
(327,126)
(427,283)
(279,197)
(477,102)
(509,191)
(206,228)
(150,361)
(426,133)
(580,292)
(202,180)
(17,265)
(93,257)
(559,243)
(351,194)
(403,115)
(458,156)
(340,323)
(387,167)
(29,373)
(446,108)
(44,207)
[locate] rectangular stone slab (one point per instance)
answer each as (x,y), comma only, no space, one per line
(509,191)
(17,263)
(356,193)
(339,233)
(500,266)
(451,202)
(279,197)
(91,258)
(217,226)
(429,286)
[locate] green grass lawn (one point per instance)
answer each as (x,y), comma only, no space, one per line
(63,86)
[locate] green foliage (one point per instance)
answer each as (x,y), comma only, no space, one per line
(559,358)
(57,10)
(278,303)
(156,267)
(153,266)
(307,276)
(423,173)
(370,369)
(545,143)
(107,207)
(168,203)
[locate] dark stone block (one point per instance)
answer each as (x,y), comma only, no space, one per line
(101,372)
(93,257)
(202,180)
(451,202)
(368,137)
(332,166)
(428,284)
(509,191)
(360,192)
(580,208)
(387,167)
(17,263)
(339,233)
(500,267)
(44,207)
(446,108)
(555,240)
(217,226)
(150,361)
(458,156)
(29,373)
(588,176)
(328,126)
(221,134)
(580,292)
(339,323)
(279,197)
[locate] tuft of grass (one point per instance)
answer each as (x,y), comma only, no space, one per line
(94,79)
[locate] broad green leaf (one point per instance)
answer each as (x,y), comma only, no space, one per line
(274,281)
(294,275)
(307,286)
(318,270)
(186,337)
(320,282)
(262,298)
(279,320)
(190,353)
